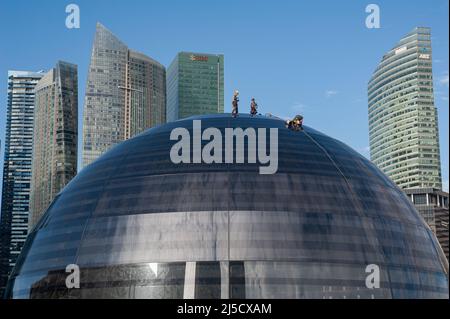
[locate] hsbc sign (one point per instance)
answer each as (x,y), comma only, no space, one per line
(198,58)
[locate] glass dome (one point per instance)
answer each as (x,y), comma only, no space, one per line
(139,226)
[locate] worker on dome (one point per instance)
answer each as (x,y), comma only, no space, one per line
(253,107)
(296,124)
(234,104)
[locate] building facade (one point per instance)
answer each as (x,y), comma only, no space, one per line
(16,168)
(125,94)
(433,206)
(55,136)
(403,124)
(139,225)
(195,85)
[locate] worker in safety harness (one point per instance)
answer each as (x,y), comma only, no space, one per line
(234,104)
(253,107)
(296,124)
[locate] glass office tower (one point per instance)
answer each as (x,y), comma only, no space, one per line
(125,94)
(145,101)
(403,125)
(195,85)
(16,168)
(55,136)
(141,226)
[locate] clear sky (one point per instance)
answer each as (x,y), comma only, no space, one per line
(308,57)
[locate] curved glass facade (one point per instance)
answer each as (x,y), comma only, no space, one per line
(403,125)
(139,226)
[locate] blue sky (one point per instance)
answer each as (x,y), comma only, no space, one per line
(309,57)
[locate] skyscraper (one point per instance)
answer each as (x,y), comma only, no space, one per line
(16,168)
(55,136)
(125,94)
(195,85)
(403,125)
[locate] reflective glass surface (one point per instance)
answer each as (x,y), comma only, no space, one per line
(139,226)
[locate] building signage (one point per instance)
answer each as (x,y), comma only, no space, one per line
(400,50)
(198,58)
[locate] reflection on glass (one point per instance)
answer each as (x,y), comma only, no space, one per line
(140,226)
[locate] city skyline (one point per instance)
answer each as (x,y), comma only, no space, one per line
(359,182)
(332,98)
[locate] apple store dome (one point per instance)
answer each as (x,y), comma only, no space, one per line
(327,224)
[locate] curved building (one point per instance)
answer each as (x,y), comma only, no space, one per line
(327,224)
(403,125)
